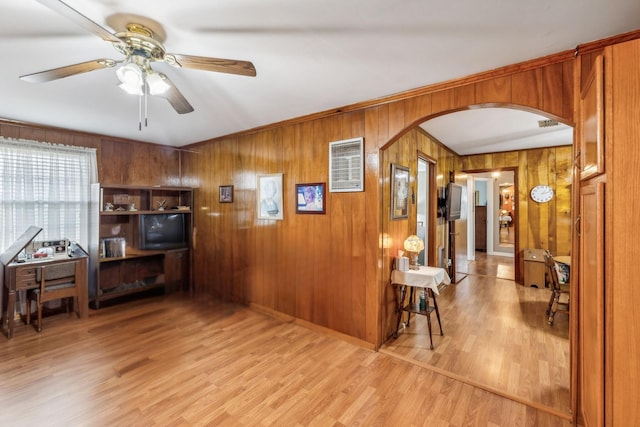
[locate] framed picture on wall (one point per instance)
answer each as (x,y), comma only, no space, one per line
(225,193)
(310,198)
(399,192)
(269,198)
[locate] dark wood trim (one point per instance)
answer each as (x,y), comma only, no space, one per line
(596,45)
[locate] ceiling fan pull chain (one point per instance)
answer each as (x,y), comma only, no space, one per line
(146,101)
(140,112)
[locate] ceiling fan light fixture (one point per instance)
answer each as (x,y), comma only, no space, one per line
(130,74)
(157,85)
(131,89)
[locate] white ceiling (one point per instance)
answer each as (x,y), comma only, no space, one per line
(310,56)
(492,130)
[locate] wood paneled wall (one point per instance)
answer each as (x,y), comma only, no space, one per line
(333,270)
(119,161)
(544,225)
(405,152)
(307,266)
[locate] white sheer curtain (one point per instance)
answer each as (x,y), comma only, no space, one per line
(49,186)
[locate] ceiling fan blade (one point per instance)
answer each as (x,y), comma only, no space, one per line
(231,66)
(69,70)
(175,97)
(65,10)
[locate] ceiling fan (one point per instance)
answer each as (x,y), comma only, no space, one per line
(141,46)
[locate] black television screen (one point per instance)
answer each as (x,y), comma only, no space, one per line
(454,201)
(163,231)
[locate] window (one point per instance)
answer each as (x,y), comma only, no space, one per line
(45,185)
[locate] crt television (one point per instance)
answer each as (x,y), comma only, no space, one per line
(453,201)
(163,231)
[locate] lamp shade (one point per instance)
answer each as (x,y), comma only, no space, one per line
(156,83)
(130,74)
(131,77)
(413,244)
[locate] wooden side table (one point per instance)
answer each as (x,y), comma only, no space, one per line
(427,278)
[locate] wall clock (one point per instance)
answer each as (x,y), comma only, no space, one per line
(541,193)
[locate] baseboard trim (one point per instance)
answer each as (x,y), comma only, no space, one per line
(312,326)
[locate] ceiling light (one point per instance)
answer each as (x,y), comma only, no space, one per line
(137,78)
(130,74)
(156,83)
(131,77)
(131,89)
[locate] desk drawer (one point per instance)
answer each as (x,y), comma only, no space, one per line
(26,277)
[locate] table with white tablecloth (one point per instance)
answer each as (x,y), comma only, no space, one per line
(427,278)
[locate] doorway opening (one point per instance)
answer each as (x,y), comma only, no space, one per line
(425,199)
(493,229)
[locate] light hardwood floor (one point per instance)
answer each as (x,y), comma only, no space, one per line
(175,361)
(497,336)
(492,266)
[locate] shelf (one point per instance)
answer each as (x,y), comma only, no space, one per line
(134,288)
(132,254)
(144,199)
(141,212)
(140,269)
(143,188)
(415,308)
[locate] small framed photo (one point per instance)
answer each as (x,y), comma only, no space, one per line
(269,198)
(399,192)
(226,193)
(310,198)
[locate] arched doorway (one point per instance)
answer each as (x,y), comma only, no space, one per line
(524,161)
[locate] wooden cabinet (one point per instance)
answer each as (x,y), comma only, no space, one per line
(608,326)
(590,284)
(534,268)
(177,273)
(134,257)
(481,228)
(591,140)
(591,305)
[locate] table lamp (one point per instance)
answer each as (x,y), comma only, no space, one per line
(413,245)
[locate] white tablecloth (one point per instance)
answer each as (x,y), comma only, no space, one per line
(425,277)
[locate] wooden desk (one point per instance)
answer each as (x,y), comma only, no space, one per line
(22,276)
(427,278)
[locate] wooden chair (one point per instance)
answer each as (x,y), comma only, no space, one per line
(57,281)
(557,289)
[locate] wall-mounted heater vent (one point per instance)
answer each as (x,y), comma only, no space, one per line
(547,123)
(346,167)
